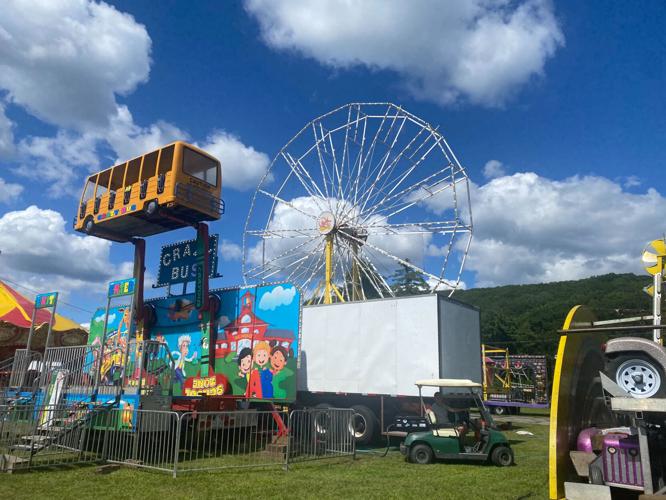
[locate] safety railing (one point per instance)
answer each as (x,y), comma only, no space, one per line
(45,435)
(22,370)
(231,439)
(319,433)
(32,436)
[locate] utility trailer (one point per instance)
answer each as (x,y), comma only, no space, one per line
(366,355)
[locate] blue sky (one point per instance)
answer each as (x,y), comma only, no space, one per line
(555,110)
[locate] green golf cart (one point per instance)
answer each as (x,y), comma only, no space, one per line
(460,437)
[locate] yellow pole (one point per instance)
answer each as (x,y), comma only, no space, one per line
(483,364)
(328,279)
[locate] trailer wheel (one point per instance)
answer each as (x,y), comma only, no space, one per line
(421,454)
(363,424)
(320,420)
(502,456)
(499,410)
(637,374)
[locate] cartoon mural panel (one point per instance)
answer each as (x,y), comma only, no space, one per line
(255,343)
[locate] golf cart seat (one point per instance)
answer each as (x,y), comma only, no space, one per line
(439,431)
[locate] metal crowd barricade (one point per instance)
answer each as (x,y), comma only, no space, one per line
(231,439)
(45,435)
(34,436)
(141,438)
(319,433)
(23,369)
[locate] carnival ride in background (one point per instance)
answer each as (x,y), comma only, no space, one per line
(608,415)
(513,381)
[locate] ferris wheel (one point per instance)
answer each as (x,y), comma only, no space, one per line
(358,195)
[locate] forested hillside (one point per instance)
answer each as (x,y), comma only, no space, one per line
(526,318)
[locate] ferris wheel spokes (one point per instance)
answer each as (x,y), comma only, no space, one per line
(350,205)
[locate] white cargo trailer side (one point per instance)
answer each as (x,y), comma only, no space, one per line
(368,354)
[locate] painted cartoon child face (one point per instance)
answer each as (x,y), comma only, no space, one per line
(261,357)
(245,363)
(278,361)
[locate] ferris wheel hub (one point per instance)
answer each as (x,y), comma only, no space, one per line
(326,223)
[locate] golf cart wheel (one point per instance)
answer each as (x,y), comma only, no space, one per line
(502,456)
(638,374)
(421,454)
(362,426)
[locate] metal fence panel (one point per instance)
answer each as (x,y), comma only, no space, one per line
(321,433)
(44,435)
(230,439)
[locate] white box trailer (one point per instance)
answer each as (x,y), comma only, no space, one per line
(368,355)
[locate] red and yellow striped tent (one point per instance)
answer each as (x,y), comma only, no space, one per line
(15,315)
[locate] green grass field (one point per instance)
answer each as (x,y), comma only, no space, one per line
(369,476)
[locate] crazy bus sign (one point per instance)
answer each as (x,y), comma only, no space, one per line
(178,262)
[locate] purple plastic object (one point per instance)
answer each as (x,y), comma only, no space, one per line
(622,461)
(584,441)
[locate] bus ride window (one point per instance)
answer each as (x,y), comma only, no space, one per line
(147,171)
(166,163)
(131,178)
(102,187)
(116,185)
(88,193)
(200,166)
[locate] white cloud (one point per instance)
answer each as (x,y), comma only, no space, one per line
(531,229)
(66,61)
(480,50)
(6,134)
(37,251)
(129,140)
(61,161)
(279,296)
(242,166)
(9,192)
(493,168)
(230,250)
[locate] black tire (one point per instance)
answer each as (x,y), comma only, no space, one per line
(89,225)
(502,456)
(626,370)
(421,454)
(596,475)
(364,424)
(151,208)
(320,423)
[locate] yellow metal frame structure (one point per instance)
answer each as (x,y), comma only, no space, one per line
(506,381)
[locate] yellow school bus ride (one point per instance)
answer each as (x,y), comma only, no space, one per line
(175,186)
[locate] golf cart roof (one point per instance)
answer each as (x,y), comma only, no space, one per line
(447,382)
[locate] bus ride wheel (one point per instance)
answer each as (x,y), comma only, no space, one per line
(150,208)
(89,225)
